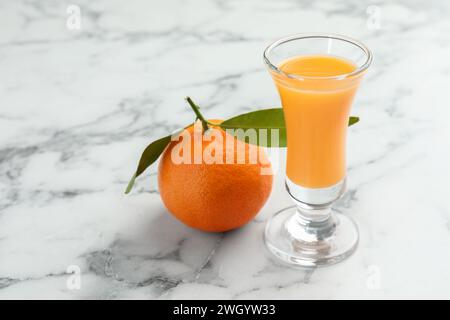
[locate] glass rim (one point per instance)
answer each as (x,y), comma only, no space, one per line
(300,36)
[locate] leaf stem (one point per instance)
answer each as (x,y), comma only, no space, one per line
(199,115)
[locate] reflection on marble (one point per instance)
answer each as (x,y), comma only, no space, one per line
(78,107)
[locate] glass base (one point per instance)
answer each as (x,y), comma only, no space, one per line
(299,241)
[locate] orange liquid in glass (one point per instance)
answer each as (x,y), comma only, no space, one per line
(316,111)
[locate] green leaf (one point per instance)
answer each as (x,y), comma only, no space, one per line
(150,155)
(352,120)
(265,120)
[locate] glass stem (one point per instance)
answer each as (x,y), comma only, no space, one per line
(311,223)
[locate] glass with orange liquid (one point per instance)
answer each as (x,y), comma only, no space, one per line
(317,76)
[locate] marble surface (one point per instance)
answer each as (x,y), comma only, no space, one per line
(78,107)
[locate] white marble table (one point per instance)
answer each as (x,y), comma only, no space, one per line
(78,107)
